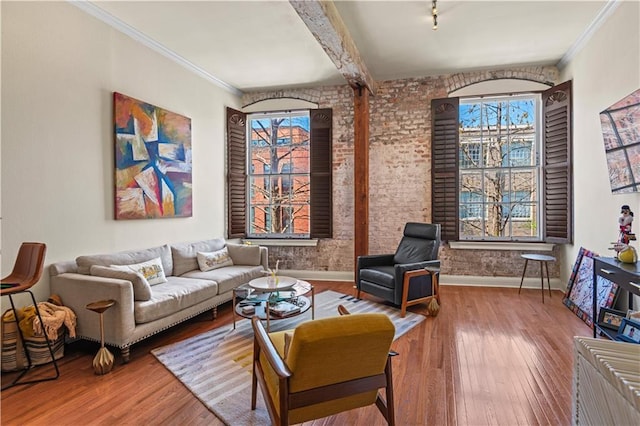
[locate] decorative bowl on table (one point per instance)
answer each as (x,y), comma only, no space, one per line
(273,283)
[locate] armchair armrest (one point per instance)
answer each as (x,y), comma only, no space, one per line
(410,295)
(402,268)
(375,260)
(265,346)
(371,260)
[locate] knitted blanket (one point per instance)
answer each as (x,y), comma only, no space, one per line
(53,317)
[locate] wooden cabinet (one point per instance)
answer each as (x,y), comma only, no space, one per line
(627,276)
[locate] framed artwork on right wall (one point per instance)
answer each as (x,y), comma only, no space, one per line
(579,295)
(621,133)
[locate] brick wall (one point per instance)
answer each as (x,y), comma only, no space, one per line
(399,172)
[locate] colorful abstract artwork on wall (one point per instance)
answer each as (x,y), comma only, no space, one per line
(621,133)
(153,161)
(579,295)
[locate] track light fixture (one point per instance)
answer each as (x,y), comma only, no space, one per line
(434,14)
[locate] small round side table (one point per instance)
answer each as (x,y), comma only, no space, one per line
(103,361)
(543,259)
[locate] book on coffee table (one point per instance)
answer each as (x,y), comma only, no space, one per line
(283,309)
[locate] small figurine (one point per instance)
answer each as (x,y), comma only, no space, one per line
(624,221)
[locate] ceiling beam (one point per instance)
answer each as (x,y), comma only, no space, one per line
(326,25)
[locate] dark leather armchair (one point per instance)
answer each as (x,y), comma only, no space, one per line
(401,278)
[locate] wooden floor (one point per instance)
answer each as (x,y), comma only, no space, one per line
(491,357)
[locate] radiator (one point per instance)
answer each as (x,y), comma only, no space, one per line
(606,382)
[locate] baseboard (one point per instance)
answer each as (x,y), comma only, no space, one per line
(509,282)
(319,275)
(461,280)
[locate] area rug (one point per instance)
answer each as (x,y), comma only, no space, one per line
(216,365)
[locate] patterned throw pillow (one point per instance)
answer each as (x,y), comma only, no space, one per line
(214,260)
(152,270)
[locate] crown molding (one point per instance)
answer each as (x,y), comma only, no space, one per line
(97,12)
(606,11)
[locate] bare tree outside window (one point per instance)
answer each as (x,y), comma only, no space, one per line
(498,169)
(279,175)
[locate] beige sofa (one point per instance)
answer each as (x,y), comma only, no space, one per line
(142,310)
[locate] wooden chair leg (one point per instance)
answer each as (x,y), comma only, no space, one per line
(387,408)
(435,284)
(405,294)
(254,377)
(391,412)
(342,310)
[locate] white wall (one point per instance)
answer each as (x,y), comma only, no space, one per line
(59,69)
(603,72)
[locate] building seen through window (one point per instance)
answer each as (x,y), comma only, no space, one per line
(498,168)
(279,177)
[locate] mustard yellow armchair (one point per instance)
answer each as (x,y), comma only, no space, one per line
(329,366)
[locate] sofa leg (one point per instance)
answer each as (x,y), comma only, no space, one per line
(125,354)
(215,312)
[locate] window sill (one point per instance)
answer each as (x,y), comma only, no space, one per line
(282,243)
(484,245)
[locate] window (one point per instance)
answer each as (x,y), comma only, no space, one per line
(498,173)
(501,167)
(289,158)
(280,149)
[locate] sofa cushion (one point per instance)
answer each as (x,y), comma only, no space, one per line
(185,254)
(127,258)
(228,277)
(176,294)
(214,260)
(152,270)
(243,254)
(141,287)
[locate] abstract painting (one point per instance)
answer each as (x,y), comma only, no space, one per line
(621,133)
(579,295)
(153,161)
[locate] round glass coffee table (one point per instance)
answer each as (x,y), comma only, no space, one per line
(259,298)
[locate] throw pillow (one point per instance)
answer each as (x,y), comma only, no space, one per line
(152,270)
(214,260)
(185,254)
(141,287)
(244,254)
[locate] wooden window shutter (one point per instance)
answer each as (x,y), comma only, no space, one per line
(444,166)
(236,173)
(321,208)
(557,198)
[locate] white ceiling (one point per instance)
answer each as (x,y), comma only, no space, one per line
(260,45)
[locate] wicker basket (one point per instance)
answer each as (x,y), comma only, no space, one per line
(12,355)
